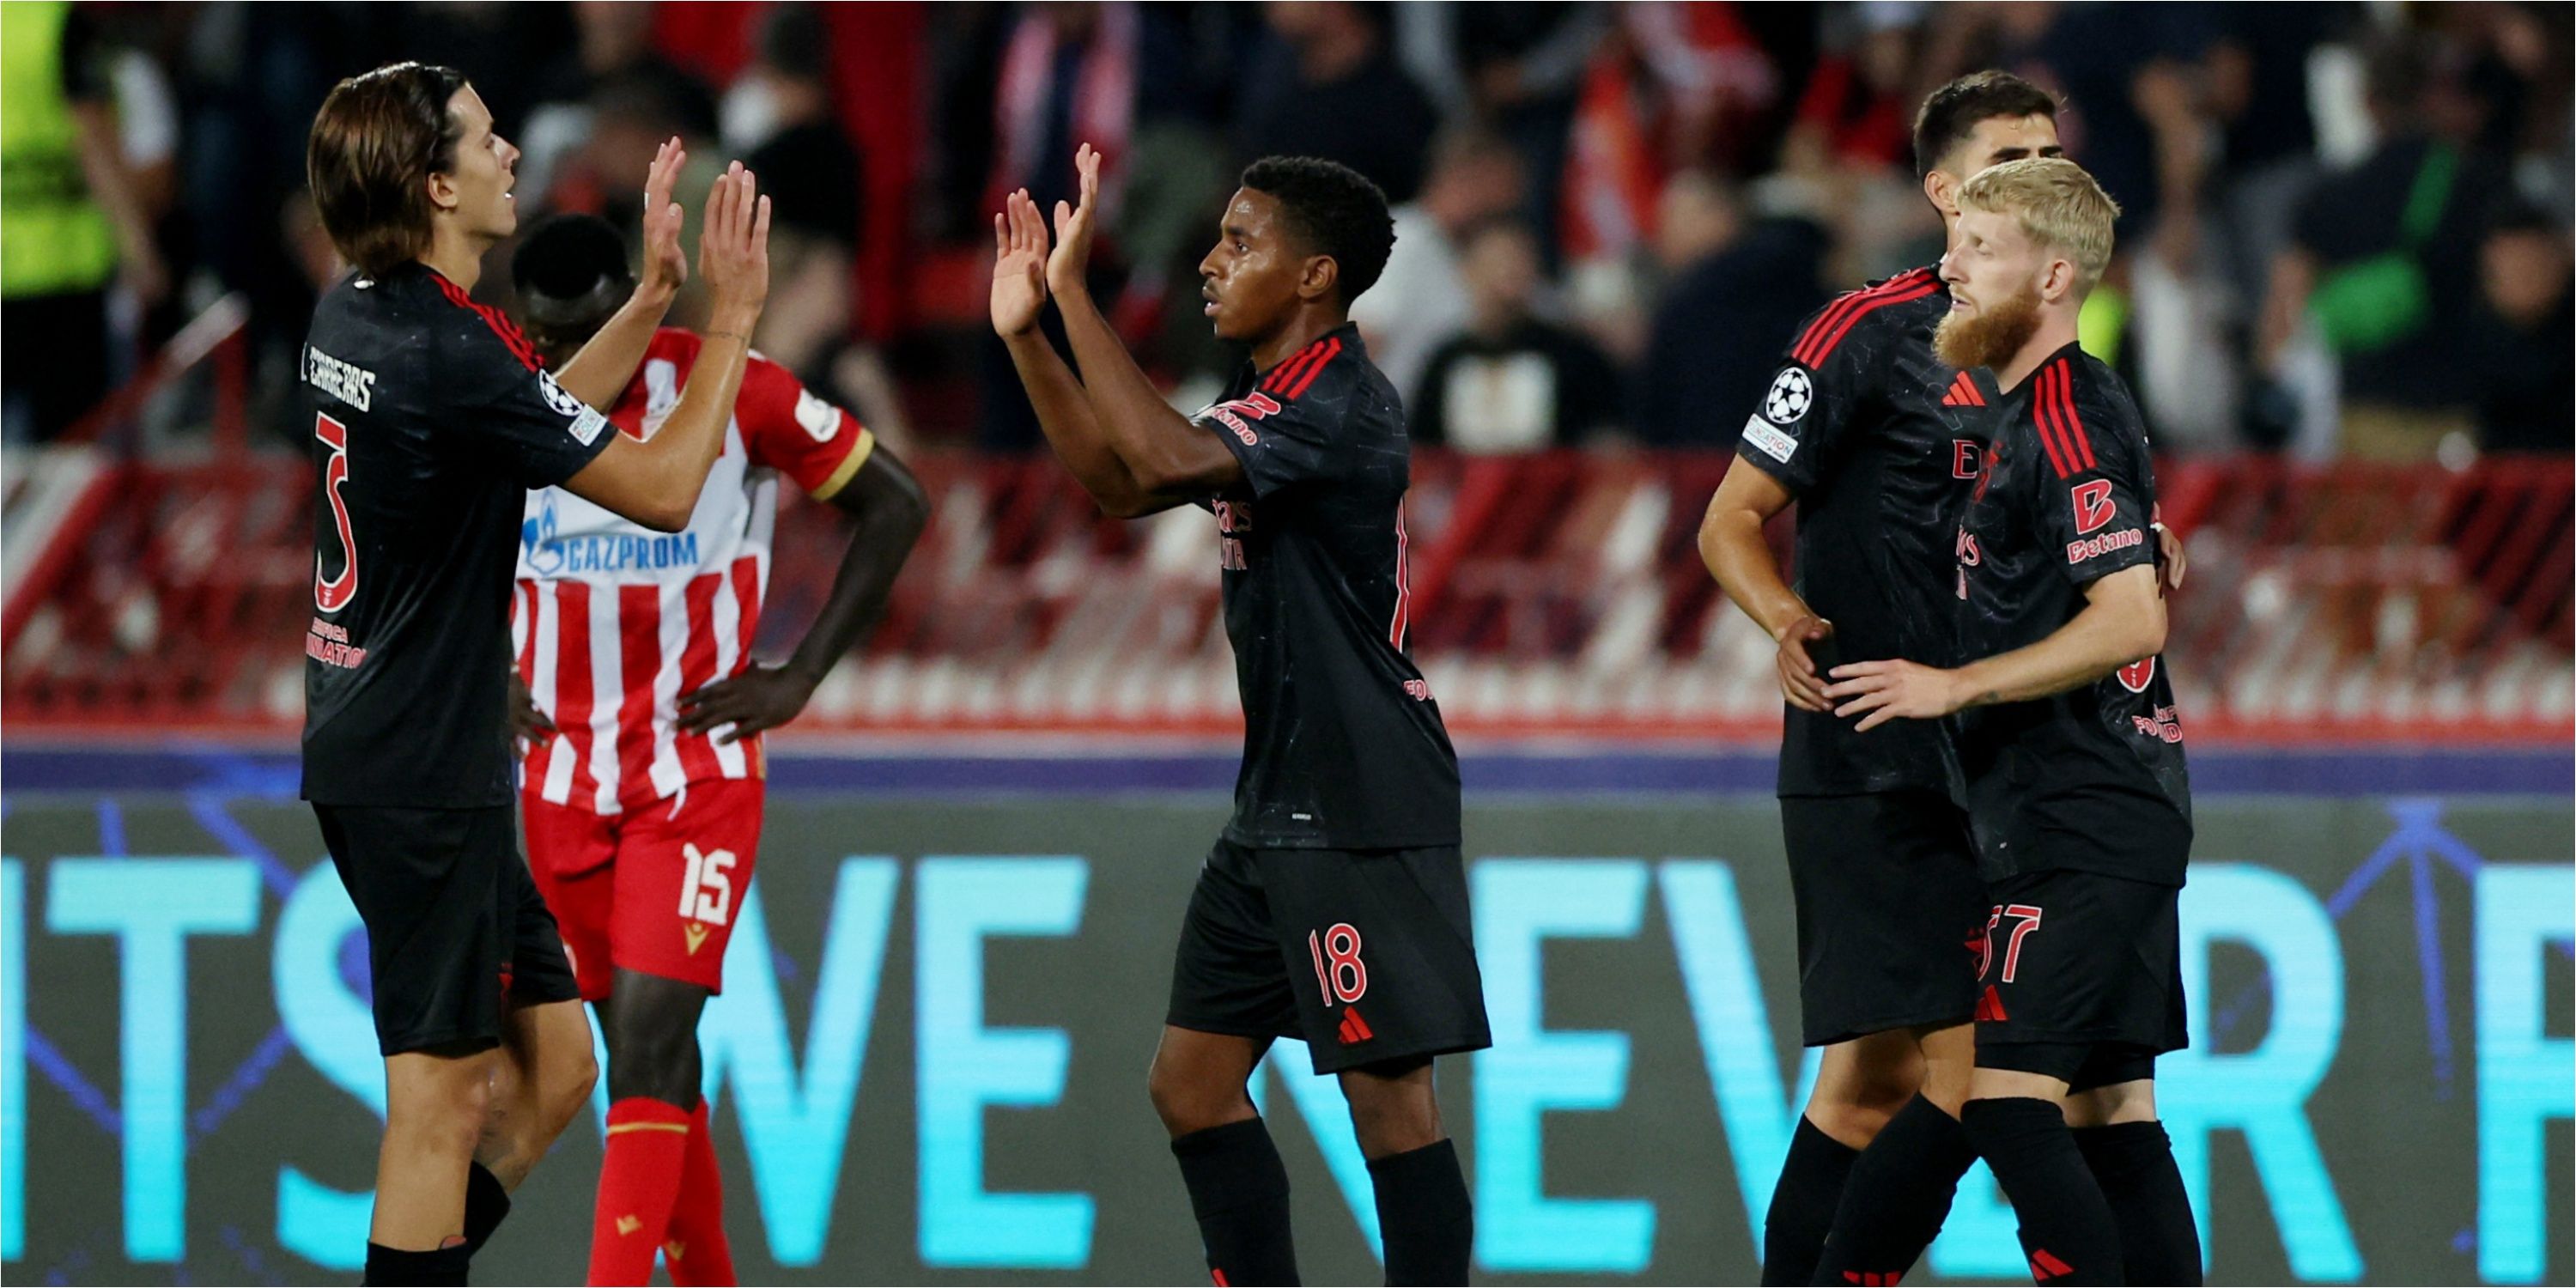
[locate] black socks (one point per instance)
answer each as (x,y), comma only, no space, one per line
(485,1204)
(1239,1192)
(2067,1229)
(1898,1195)
(1424,1215)
(394,1266)
(1803,1203)
(2134,1162)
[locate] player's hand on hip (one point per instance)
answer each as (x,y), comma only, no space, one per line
(2170,560)
(529,723)
(1799,682)
(1019,265)
(1072,257)
(763,697)
(733,248)
(666,266)
(1892,690)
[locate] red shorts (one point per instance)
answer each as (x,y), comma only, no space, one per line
(653,889)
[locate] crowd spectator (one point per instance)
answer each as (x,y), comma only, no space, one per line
(2384,258)
(1421,298)
(1327,85)
(1731,275)
(1511,381)
(73,225)
(1690,178)
(2524,331)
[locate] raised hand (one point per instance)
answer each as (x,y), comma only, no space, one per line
(666,267)
(733,249)
(1019,265)
(1072,257)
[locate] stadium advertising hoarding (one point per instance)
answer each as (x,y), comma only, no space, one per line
(929,1060)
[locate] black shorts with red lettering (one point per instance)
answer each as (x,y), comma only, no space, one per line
(2081,977)
(456,932)
(1367,955)
(1887,893)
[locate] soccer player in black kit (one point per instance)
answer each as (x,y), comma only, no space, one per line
(2069,745)
(1876,439)
(431,417)
(1334,905)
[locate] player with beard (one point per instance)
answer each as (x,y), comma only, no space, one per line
(2069,745)
(1342,855)
(1875,438)
(431,418)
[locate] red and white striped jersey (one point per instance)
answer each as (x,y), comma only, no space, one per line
(613,621)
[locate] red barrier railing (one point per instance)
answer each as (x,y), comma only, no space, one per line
(1552,594)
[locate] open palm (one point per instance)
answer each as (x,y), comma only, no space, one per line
(1019,265)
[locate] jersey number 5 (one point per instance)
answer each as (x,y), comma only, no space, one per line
(331,594)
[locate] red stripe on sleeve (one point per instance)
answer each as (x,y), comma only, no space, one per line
(1323,359)
(1907,296)
(2043,415)
(572,681)
(2077,440)
(533,769)
(639,640)
(698,670)
(1843,308)
(1285,373)
(508,331)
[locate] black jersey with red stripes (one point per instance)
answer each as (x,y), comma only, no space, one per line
(2092,778)
(1878,441)
(1343,747)
(429,418)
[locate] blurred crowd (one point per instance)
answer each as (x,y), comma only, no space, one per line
(2345,229)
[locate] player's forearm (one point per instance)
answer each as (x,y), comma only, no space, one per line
(1148,435)
(890,514)
(686,446)
(1732,545)
(599,374)
(2107,635)
(1064,415)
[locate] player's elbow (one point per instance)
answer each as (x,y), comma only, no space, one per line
(2142,630)
(666,514)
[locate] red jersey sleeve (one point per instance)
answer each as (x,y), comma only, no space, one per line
(793,430)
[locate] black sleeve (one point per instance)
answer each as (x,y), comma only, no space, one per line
(1803,418)
(512,414)
(1284,441)
(2095,497)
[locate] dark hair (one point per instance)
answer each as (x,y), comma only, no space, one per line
(1335,210)
(792,40)
(567,256)
(375,139)
(1950,114)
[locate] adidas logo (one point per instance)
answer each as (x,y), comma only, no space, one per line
(1353,1030)
(1873,1278)
(2044,1267)
(1962,393)
(1991,1006)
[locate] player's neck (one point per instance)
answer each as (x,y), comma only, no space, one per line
(1301,330)
(457,258)
(2056,331)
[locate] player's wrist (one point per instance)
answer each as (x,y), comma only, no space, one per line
(733,321)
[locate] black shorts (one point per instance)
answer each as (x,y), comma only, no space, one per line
(1888,897)
(456,932)
(1367,955)
(2082,977)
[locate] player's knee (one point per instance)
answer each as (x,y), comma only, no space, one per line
(442,1113)
(1187,1101)
(570,1087)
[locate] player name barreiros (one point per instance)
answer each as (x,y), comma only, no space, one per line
(349,383)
